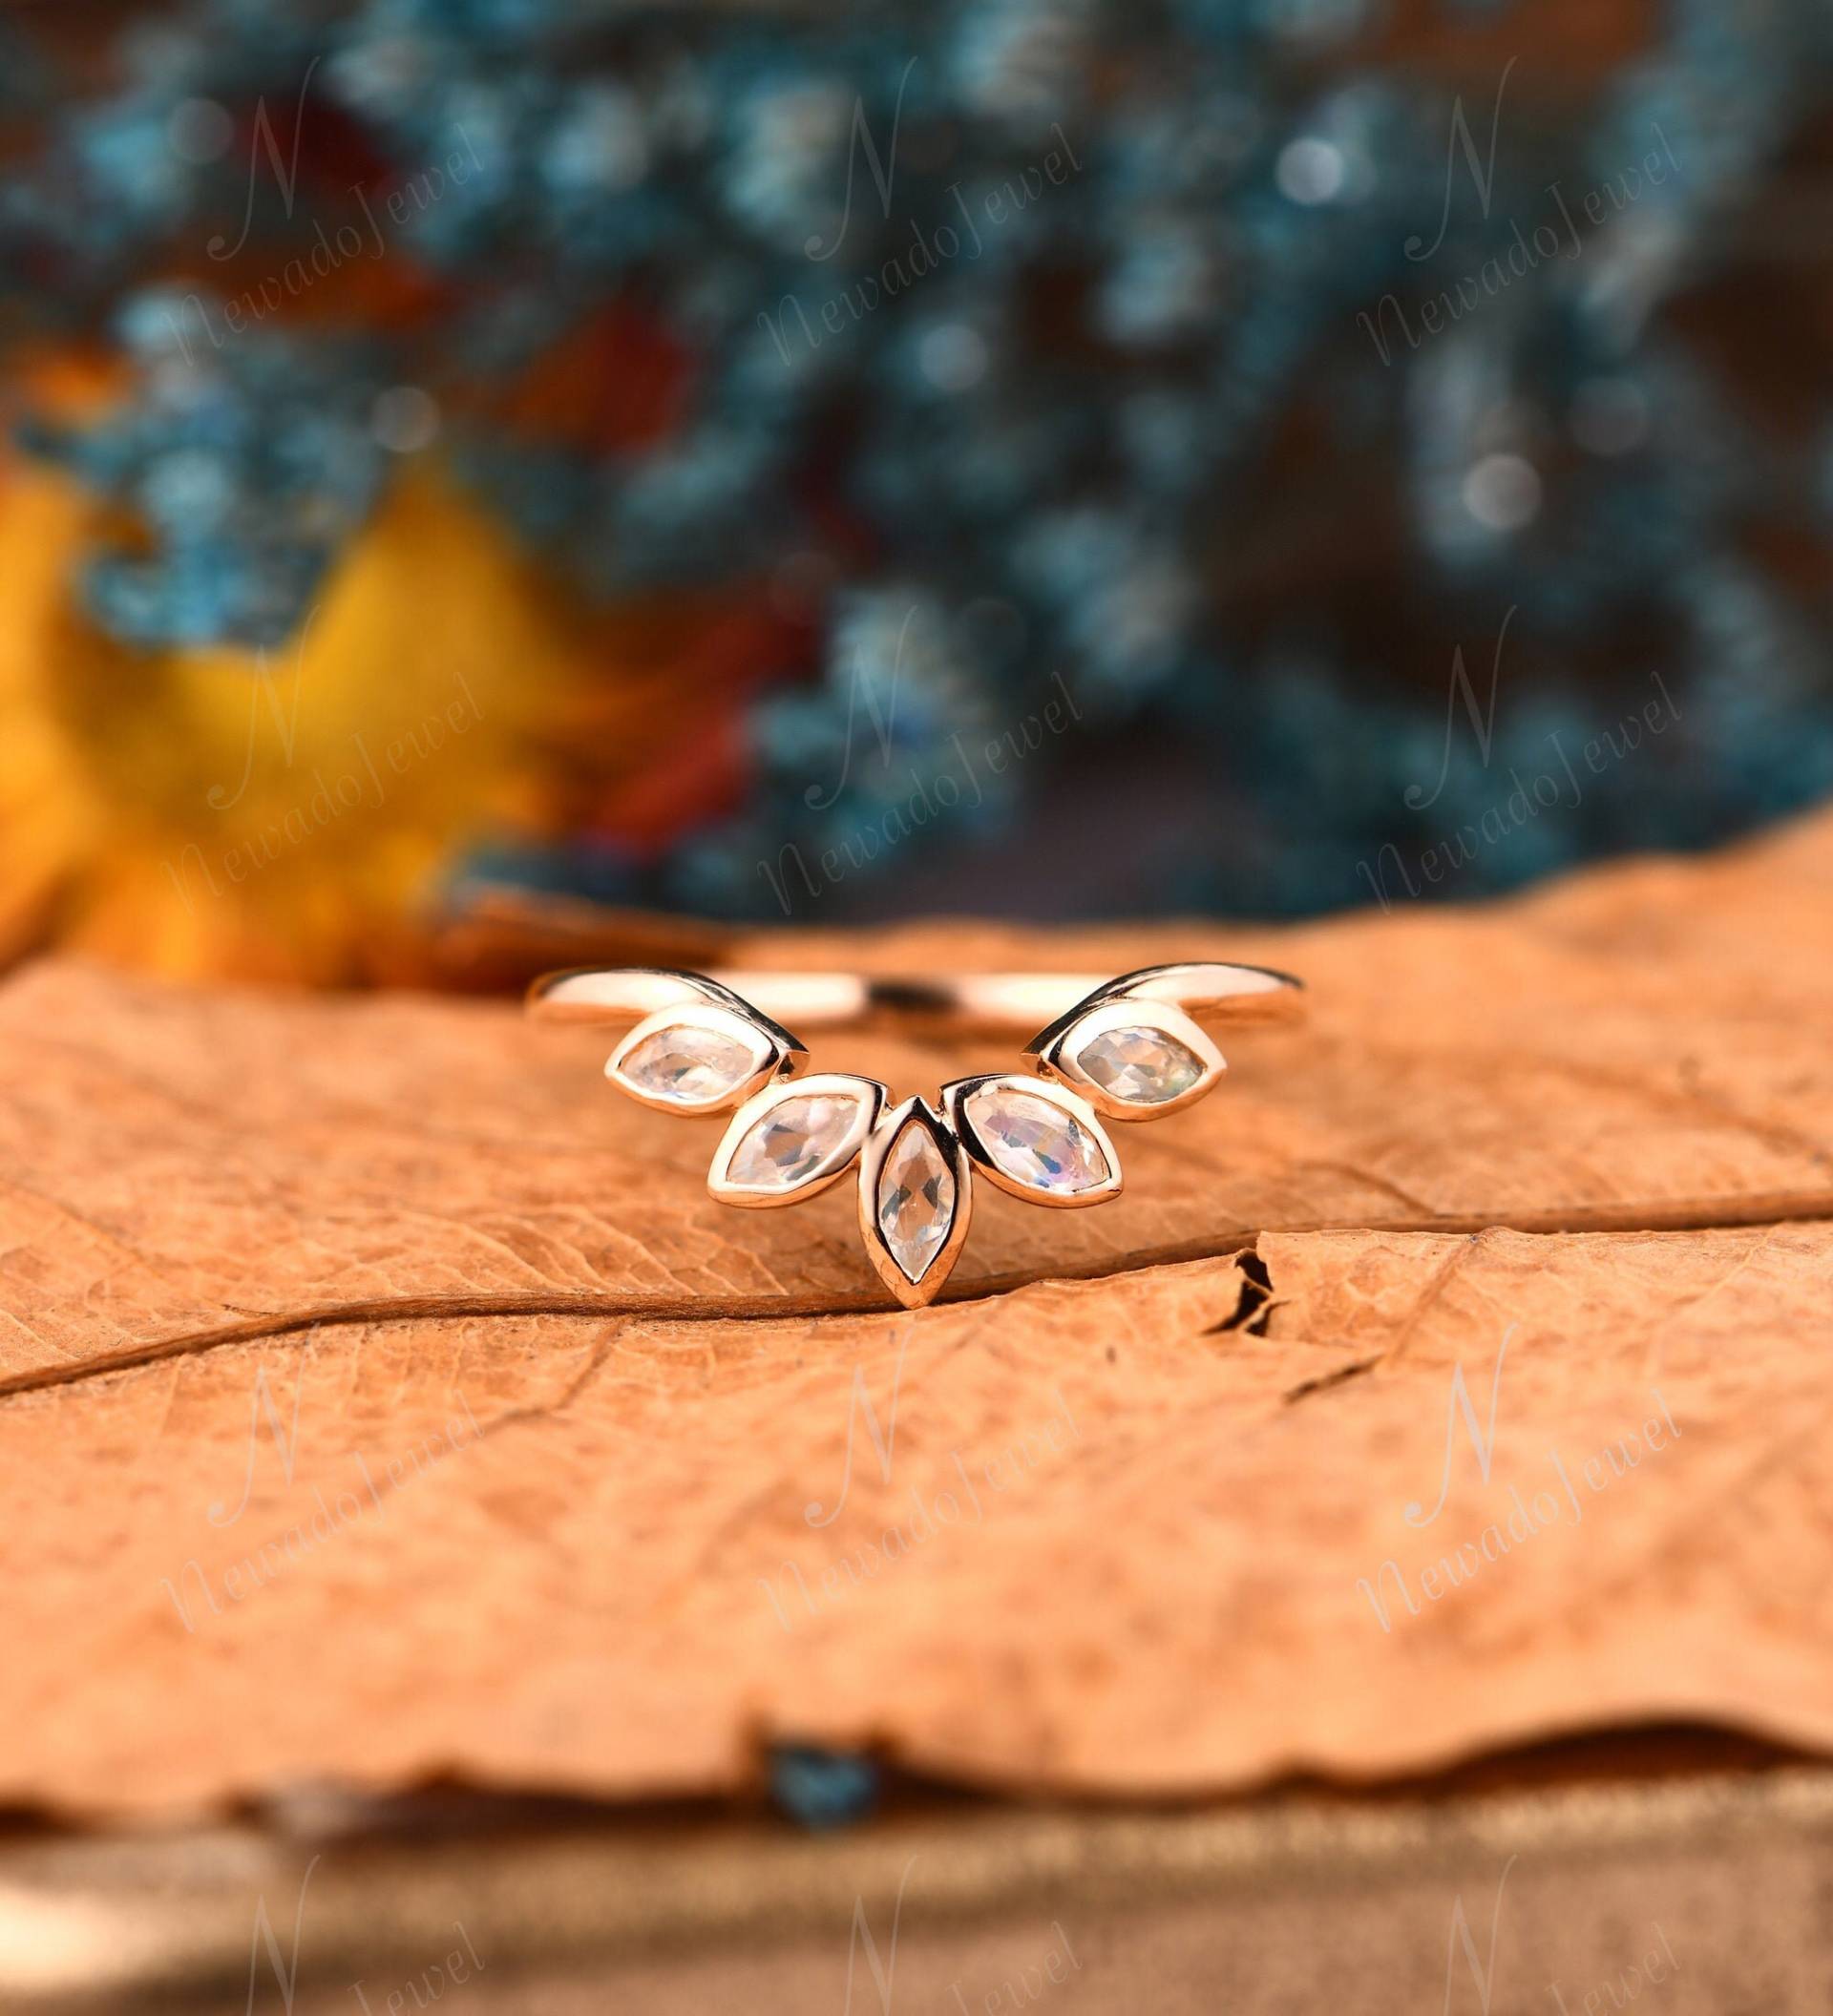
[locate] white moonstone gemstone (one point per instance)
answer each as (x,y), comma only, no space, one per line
(1035,1142)
(1143,1066)
(916,1199)
(694,1067)
(790,1142)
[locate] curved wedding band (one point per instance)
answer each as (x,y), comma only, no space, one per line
(1126,1049)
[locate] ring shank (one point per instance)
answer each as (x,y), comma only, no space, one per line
(978,1002)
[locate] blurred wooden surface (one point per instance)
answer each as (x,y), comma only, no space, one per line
(1288,1903)
(382,1401)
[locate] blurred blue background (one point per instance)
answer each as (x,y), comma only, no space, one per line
(1245,456)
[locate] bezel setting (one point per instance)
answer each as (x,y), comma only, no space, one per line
(772,1053)
(873,1158)
(956,1098)
(867,1097)
(1059,1054)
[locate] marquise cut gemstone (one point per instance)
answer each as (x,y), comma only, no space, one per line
(790,1142)
(915,1200)
(692,1066)
(1035,1142)
(1143,1066)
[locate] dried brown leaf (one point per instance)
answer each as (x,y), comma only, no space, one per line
(544,1515)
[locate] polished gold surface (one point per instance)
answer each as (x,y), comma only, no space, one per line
(1013,1003)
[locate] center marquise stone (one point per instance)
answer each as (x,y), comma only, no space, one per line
(915,1200)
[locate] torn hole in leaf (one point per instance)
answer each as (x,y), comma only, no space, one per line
(1255,1304)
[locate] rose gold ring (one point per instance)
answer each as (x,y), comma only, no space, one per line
(1126,1049)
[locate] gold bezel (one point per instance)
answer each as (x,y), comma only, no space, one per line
(868,1097)
(955,1098)
(774,1052)
(883,1138)
(1059,1053)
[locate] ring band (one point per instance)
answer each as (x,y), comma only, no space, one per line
(1127,1049)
